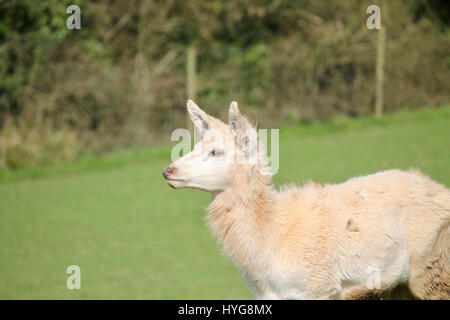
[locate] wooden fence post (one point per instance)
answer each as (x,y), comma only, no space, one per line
(379,76)
(191,69)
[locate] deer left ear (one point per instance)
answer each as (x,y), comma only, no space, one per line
(199,117)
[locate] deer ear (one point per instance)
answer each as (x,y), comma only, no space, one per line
(236,121)
(241,129)
(198,117)
(234,117)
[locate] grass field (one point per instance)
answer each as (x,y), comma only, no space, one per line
(134,237)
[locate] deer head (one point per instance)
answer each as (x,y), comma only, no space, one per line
(224,153)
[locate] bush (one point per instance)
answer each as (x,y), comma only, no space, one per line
(120,80)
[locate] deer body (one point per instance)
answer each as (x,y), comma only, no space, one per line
(342,241)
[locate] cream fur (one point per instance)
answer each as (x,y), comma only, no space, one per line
(318,241)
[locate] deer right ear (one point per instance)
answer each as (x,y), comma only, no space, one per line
(234,117)
(198,117)
(241,129)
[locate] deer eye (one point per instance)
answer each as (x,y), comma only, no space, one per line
(215,153)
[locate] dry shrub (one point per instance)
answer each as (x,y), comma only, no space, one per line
(120,80)
(22,146)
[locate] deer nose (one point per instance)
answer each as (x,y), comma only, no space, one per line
(168,171)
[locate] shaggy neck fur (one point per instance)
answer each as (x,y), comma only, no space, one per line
(239,217)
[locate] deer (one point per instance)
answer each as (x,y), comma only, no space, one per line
(361,239)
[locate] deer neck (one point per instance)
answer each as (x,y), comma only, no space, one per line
(241,218)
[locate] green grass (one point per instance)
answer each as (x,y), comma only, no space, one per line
(134,237)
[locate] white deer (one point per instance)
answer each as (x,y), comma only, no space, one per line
(317,241)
